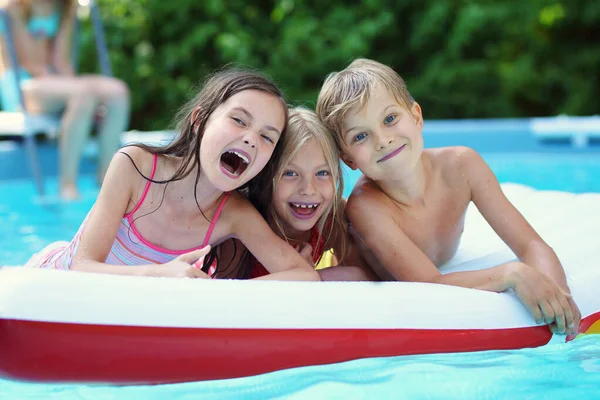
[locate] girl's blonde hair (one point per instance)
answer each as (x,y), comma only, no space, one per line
(303,126)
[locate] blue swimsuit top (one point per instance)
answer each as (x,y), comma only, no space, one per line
(44,26)
(41,27)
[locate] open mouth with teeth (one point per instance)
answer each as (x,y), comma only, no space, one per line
(234,162)
(304,210)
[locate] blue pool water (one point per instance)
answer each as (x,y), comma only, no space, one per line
(557,370)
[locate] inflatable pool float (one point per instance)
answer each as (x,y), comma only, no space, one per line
(65,326)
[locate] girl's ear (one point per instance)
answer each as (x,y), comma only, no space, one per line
(348,161)
(195,120)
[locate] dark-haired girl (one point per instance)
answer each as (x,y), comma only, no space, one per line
(160,209)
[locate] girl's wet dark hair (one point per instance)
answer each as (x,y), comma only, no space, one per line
(191,120)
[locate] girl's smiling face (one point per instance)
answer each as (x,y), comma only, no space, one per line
(304,191)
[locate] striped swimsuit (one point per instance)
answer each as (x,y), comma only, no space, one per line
(129,247)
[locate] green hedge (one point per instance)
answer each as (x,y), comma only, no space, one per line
(460,58)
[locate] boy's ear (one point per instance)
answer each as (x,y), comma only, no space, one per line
(348,161)
(417,114)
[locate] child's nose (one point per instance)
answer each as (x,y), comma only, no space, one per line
(250,139)
(307,188)
(385,141)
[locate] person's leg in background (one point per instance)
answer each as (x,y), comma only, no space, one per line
(74,95)
(113,94)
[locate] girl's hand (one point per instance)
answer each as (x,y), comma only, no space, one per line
(546,301)
(305,251)
(184,266)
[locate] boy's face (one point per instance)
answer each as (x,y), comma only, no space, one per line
(383,139)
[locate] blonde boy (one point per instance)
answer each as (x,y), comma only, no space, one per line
(409,206)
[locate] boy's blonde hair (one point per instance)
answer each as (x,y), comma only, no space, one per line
(303,126)
(352,87)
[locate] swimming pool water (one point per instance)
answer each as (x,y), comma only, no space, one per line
(557,370)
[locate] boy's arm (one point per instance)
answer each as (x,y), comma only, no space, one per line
(511,226)
(507,221)
(406,262)
(402,258)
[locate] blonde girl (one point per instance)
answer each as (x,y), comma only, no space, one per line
(300,196)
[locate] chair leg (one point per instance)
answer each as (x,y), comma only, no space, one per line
(34,162)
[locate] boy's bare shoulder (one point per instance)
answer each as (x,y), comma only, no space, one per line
(455,161)
(366,194)
(453,155)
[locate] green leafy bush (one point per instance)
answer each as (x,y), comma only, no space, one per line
(460,58)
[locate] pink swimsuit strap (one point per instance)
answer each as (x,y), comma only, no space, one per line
(146,189)
(211,227)
(216,218)
(160,250)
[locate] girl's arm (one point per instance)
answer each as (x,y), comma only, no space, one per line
(373,221)
(61,56)
(277,256)
(116,196)
(23,40)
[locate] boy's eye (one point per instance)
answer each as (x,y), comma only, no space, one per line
(289,173)
(389,119)
(268,139)
(239,121)
(360,137)
(323,173)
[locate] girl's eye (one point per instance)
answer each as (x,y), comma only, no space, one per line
(323,173)
(360,137)
(239,121)
(389,119)
(289,173)
(268,139)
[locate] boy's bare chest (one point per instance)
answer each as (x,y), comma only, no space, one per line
(436,226)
